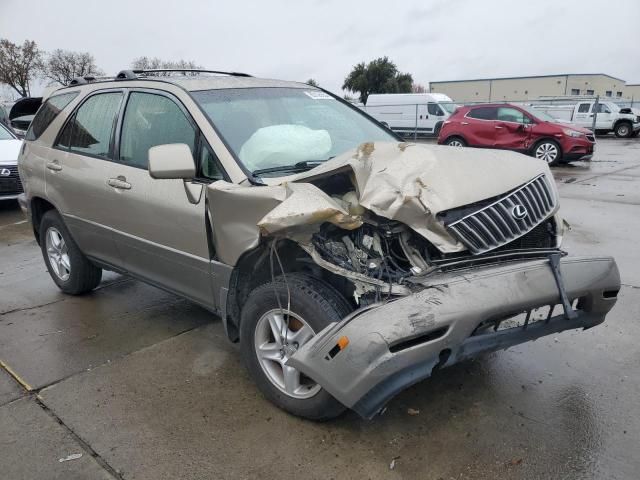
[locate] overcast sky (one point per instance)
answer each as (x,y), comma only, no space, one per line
(301,39)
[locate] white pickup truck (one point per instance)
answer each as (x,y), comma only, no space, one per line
(611,118)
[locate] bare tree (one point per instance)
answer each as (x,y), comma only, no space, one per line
(418,88)
(19,65)
(147,63)
(62,66)
(312,82)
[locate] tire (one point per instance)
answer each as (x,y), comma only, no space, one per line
(71,271)
(548,151)
(314,305)
(455,142)
(623,130)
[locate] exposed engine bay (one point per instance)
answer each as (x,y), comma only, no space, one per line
(390,255)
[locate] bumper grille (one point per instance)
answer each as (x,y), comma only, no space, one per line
(10,185)
(591,138)
(506,219)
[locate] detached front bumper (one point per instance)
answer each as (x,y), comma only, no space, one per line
(376,352)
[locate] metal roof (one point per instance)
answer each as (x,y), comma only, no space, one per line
(529,76)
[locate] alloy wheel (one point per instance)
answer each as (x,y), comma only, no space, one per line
(279,334)
(455,143)
(58,254)
(547,152)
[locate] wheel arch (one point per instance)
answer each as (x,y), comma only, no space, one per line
(254,269)
(455,135)
(535,145)
(626,121)
(38,207)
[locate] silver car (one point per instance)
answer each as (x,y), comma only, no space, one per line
(347,263)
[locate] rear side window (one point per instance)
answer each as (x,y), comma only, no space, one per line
(47,113)
(583,108)
(151,120)
(483,113)
(90,130)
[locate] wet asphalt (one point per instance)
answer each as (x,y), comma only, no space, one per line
(131,382)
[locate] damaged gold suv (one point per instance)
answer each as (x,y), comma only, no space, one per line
(348,264)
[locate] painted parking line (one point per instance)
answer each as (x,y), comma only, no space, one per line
(12,224)
(16,377)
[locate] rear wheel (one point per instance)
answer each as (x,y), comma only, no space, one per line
(455,142)
(71,271)
(623,130)
(270,332)
(549,151)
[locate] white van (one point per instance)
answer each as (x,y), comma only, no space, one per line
(410,113)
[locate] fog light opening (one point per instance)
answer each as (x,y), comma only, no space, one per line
(610,293)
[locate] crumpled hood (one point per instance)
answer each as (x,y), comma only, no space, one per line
(388,175)
(406,182)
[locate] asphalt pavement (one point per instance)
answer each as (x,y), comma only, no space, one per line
(131,382)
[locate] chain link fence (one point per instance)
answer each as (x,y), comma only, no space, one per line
(423,119)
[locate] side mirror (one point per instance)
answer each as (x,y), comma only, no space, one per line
(171,161)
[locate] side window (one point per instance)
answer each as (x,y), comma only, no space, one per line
(602,108)
(90,129)
(506,114)
(483,113)
(209,162)
(47,113)
(151,120)
(434,109)
(583,108)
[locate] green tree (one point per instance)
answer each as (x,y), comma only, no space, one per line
(378,76)
(312,82)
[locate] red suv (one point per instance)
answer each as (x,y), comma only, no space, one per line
(514,127)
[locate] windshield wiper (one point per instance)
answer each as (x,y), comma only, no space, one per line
(296,167)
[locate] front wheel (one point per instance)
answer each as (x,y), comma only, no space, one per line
(272,331)
(549,151)
(455,142)
(623,130)
(71,271)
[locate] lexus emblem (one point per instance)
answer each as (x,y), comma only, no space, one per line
(519,212)
(5,172)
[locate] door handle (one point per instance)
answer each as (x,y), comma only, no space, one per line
(498,126)
(464,123)
(119,183)
(54,166)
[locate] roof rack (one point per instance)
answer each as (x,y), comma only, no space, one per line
(137,73)
(87,79)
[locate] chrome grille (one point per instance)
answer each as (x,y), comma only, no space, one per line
(496,224)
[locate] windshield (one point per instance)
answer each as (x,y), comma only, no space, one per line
(450,107)
(4,133)
(539,114)
(286,128)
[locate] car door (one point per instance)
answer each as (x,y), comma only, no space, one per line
(478,126)
(583,115)
(160,234)
(512,129)
(76,171)
(435,115)
(604,120)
